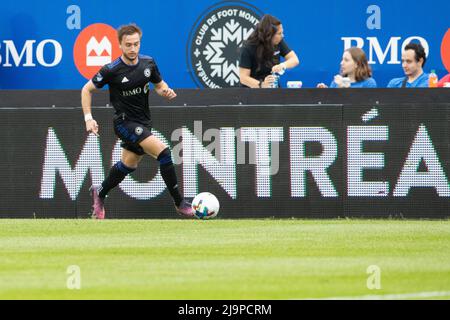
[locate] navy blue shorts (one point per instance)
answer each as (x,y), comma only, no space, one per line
(131,133)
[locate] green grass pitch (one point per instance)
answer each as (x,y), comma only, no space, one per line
(221,259)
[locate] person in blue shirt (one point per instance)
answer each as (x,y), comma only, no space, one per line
(413,61)
(355,71)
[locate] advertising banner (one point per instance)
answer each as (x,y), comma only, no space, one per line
(309,161)
(60,45)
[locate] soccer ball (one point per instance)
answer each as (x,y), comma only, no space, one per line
(205,205)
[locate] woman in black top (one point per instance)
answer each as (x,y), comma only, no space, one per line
(260,54)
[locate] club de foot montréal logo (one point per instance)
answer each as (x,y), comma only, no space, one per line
(214,42)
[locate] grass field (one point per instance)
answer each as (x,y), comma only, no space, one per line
(222,259)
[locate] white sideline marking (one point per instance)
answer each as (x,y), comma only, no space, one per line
(401,296)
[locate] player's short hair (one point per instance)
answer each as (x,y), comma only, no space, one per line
(419,51)
(128,30)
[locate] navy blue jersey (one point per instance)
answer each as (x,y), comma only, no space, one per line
(129,86)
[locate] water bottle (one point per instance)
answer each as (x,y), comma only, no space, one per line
(433,80)
(276,82)
(277,75)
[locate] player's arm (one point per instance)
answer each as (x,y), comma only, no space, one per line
(86,102)
(162,88)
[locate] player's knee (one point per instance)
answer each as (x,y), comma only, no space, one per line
(125,168)
(165,157)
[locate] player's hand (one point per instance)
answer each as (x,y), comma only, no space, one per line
(322,85)
(168,94)
(92,127)
(268,81)
(279,68)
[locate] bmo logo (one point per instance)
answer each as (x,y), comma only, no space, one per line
(96,45)
(47,53)
(390,53)
(445,50)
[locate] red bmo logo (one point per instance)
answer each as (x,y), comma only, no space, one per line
(445,50)
(95,46)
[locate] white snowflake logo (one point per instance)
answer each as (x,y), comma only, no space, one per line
(231,32)
(214,52)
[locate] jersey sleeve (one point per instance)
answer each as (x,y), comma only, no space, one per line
(245,60)
(102,77)
(156,75)
(284,48)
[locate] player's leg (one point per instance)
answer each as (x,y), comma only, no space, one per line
(158,150)
(128,163)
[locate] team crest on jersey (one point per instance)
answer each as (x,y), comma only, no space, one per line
(99,77)
(214,42)
(147,72)
(139,131)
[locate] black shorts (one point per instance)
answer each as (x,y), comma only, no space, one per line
(131,133)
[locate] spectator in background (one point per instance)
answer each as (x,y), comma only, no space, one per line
(260,54)
(355,71)
(413,61)
(443,82)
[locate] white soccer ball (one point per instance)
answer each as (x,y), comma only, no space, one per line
(205,205)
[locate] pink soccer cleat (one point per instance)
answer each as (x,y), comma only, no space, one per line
(98,204)
(185,209)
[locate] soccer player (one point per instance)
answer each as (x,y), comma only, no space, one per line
(413,61)
(128,78)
